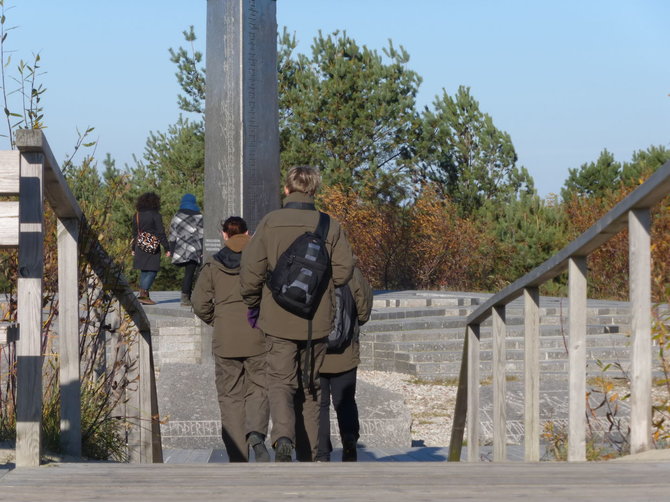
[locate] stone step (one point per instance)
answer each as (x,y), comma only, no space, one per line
(382,300)
(413,324)
(173,321)
(407,313)
(602,340)
(555,369)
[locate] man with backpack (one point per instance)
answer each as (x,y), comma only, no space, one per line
(338,372)
(289,270)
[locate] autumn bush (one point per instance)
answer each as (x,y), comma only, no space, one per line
(423,244)
(608,265)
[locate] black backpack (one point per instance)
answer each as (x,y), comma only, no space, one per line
(301,275)
(345,319)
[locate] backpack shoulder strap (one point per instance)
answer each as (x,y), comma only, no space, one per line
(300,205)
(323,226)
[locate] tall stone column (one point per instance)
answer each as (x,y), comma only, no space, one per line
(241,115)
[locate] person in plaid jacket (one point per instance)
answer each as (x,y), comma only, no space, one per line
(185,238)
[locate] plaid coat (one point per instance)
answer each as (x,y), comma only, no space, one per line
(185,236)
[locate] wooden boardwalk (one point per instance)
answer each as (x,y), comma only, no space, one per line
(369,481)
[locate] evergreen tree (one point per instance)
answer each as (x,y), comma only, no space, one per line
(593,178)
(190,75)
(606,175)
(530,230)
(349,111)
(466,156)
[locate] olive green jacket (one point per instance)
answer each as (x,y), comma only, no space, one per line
(216,300)
(348,357)
(275,233)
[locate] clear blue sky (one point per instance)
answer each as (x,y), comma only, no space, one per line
(565,79)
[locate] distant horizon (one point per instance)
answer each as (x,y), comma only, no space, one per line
(566,81)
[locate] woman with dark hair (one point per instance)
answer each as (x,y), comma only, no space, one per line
(185,240)
(147,220)
(238,348)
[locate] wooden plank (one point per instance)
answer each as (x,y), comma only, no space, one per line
(532,374)
(351,482)
(474,418)
(9,224)
(645,196)
(133,402)
(29,312)
(639,222)
(461,407)
(56,189)
(499,384)
(9,172)
(68,330)
(145,398)
(577,359)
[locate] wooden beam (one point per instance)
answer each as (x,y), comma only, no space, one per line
(29,313)
(461,407)
(9,224)
(474,418)
(577,359)
(68,330)
(56,188)
(531,417)
(639,224)
(644,196)
(499,384)
(9,172)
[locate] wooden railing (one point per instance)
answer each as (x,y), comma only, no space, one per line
(632,212)
(32,174)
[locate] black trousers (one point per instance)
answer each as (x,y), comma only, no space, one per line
(341,388)
(189,272)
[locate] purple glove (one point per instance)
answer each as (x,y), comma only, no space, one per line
(252,316)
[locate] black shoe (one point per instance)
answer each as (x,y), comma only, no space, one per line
(322,457)
(283,450)
(349,453)
(257,442)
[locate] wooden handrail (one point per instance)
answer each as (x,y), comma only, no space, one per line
(74,230)
(645,196)
(633,211)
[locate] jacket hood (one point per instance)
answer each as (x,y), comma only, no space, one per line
(231,254)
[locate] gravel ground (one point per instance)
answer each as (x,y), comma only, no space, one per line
(431,404)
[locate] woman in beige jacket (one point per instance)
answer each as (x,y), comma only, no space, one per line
(239,349)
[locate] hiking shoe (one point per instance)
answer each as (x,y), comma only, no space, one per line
(185,300)
(349,453)
(145,300)
(283,450)
(257,443)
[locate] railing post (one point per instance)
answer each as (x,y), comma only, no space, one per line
(531,417)
(29,311)
(473,418)
(577,358)
(639,225)
(460,408)
(499,385)
(68,327)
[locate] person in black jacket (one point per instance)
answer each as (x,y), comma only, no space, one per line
(148,219)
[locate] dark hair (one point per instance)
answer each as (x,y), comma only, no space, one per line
(148,200)
(234,225)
